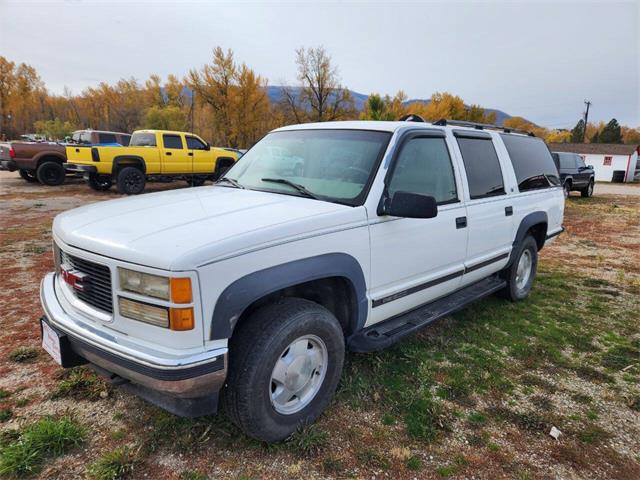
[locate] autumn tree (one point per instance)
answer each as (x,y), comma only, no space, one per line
(452,107)
(320,96)
(611,133)
(54,129)
(577,133)
(631,136)
(384,108)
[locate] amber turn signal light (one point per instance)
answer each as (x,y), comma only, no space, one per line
(181,290)
(181,319)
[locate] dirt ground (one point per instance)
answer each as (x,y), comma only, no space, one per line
(605,188)
(471,397)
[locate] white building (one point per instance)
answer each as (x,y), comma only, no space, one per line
(606,158)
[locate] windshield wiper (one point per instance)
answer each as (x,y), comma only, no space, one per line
(301,188)
(231,181)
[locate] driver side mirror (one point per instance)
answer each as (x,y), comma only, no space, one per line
(590,167)
(411,205)
(207,147)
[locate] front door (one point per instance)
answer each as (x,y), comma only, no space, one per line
(415,261)
(175,157)
(203,157)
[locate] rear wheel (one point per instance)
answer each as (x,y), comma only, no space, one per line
(131,181)
(51,173)
(284,367)
(28,175)
(588,190)
(99,183)
(522,271)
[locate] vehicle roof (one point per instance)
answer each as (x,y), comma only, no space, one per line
(377,125)
(171,132)
(99,131)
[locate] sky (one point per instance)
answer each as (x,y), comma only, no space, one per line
(539,60)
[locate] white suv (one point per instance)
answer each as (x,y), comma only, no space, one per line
(253,289)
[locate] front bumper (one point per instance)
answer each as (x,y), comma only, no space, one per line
(186,386)
(75,168)
(8,165)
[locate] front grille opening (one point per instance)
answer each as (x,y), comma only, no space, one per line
(99,294)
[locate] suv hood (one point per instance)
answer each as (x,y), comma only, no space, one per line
(181,229)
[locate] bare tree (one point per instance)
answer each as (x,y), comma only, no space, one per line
(320,96)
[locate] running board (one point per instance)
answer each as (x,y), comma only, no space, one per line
(387,332)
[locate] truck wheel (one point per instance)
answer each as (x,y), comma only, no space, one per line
(284,366)
(50,173)
(99,183)
(28,175)
(522,272)
(567,189)
(196,181)
(588,190)
(130,181)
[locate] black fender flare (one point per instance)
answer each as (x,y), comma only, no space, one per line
(530,220)
(246,290)
(569,179)
(120,159)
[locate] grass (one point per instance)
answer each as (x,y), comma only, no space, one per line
(25,453)
(80,384)
(4,393)
(24,354)
(113,465)
(309,440)
(6,414)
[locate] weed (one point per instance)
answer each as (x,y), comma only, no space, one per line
(308,440)
(582,398)
(388,419)
(425,418)
(191,475)
(80,384)
(544,403)
(373,459)
(477,419)
(593,434)
(634,403)
(25,454)
(6,414)
(23,354)
(413,463)
(620,356)
(479,439)
(4,394)
(332,466)
(113,465)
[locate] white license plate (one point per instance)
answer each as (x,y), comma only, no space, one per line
(51,342)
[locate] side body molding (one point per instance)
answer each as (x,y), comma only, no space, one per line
(534,218)
(246,290)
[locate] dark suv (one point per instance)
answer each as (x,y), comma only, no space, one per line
(574,174)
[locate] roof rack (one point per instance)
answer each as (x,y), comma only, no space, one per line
(412,117)
(481,126)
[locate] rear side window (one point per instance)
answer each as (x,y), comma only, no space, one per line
(143,140)
(482,166)
(107,138)
(172,141)
(567,160)
(194,144)
(424,167)
(85,138)
(532,162)
(125,140)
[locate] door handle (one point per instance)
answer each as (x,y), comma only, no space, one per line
(167,153)
(190,154)
(461,222)
(508,211)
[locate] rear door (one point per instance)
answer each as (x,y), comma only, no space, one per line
(489,208)
(175,157)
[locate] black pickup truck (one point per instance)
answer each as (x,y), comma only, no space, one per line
(574,174)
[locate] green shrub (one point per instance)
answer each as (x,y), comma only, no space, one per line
(24,354)
(113,465)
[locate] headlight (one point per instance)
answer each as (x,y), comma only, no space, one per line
(177,290)
(179,319)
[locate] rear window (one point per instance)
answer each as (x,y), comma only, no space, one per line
(482,166)
(107,138)
(566,160)
(532,162)
(143,140)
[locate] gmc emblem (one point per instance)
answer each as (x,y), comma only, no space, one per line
(75,279)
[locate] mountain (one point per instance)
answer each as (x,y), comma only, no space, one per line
(275,94)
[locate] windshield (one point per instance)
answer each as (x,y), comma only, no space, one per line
(333,165)
(143,139)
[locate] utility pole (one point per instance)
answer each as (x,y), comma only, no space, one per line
(586,119)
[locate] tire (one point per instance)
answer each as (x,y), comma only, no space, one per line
(252,398)
(517,287)
(196,181)
(28,175)
(588,190)
(131,181)
(99,183)
(567,189)
(51,174)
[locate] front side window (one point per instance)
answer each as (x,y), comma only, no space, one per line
(143,139)
(172,141)
(481,163)
(532,162)
(124,140)
(194,143)
(332,165)
(424,167)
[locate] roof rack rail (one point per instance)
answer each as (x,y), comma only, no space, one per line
(411,117)
(481,126)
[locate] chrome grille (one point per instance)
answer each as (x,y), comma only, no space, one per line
(98,295)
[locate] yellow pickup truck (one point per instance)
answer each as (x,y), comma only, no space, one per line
(158,155)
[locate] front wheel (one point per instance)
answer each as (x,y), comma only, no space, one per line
(522,271)
(196,181)
(567,189)
(588,190)
(284,366)
(28,175)
(131,181)
(99,183)
(51,174)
